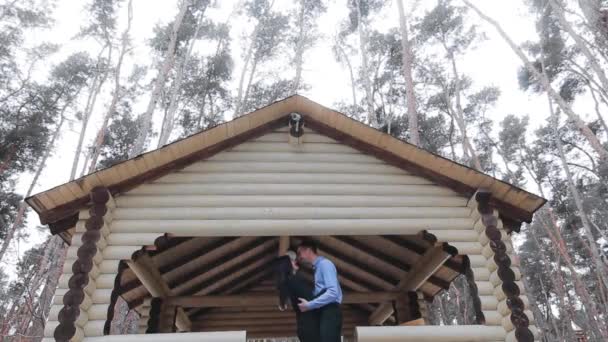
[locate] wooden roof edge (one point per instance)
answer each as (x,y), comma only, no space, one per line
(241,130)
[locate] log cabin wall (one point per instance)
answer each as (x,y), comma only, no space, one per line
(269,187)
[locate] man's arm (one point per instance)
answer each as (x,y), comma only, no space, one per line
(330,275)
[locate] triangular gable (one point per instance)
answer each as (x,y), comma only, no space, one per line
(58,205)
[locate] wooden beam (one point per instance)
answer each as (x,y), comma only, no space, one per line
(225,256)
(283,245)
(269,299)
(425,266)
(406,308)
(150,277)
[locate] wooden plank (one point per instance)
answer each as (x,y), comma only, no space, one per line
(283,245)
(148,274)
(425,266)
(270,299)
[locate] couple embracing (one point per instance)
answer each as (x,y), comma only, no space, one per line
(318,314)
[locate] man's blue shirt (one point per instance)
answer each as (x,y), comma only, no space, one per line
(326,279)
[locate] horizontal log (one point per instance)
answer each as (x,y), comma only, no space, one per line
(263,299)
(289,213)
(289,157)
(286,167)
(488,303)
(283,227)
(258,189)
(102,296)
(98,311)
(286,200)
(94,328)
(301,148)
(478,260)
(485,287)
(238,323)
(120,252)
(493,317)
(272,314)
(132,239)
(450,236)
(307,137)
(467,247)
(481,274)
(228,336)
(290,178)
(105,281)
(446,333)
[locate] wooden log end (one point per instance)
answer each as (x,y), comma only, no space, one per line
(100,195)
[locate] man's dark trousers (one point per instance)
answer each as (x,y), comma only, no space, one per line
(331,323)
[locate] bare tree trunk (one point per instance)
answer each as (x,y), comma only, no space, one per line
(18,222)
(95,90)
(353,81)
(239,97)
(166,66)
(116,93)
(554,234)
(407,55)
(169,119)
(580,43)
(299,48)
(563,105)
(254,67)
(547,262)
(597,110)
(57,256)
(373,120)
(594,249)
(466,142)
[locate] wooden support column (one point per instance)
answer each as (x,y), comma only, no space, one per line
(163,317)
(407,310)
(66,330)
(510,289)
(425,266)
(143,266)
(283,245)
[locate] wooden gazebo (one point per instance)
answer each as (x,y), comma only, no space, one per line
(185,234)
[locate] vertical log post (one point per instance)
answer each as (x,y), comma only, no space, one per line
(505,273)
(407,309)
(283,245)
(163,317)
(82,266)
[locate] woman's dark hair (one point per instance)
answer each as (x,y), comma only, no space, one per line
(283,269)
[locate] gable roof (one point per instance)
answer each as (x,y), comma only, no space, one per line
(57,206)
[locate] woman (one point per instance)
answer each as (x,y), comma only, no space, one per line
(292,286)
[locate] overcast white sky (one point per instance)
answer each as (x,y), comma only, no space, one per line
(492,63)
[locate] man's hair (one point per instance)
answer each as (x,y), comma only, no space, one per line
(309,243)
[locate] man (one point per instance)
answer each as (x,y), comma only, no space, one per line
(327,292)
